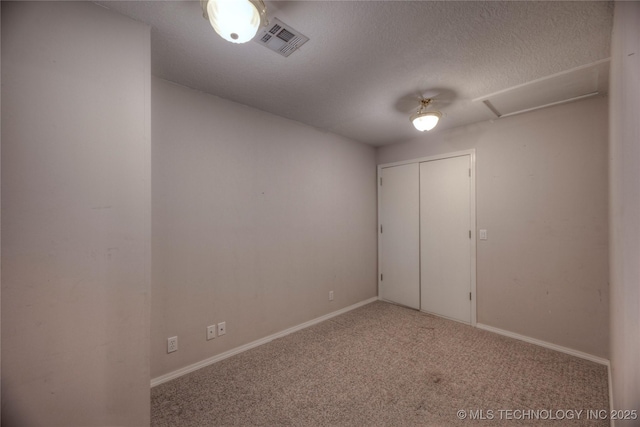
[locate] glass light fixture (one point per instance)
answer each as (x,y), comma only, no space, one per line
(236,21)
(425,120)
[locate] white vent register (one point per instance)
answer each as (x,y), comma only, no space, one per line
(280,37)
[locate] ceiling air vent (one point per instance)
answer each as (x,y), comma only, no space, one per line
(280,37)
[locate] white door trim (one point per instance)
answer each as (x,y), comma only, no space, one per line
(472,156)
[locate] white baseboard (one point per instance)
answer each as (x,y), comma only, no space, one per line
(545,344)
(210,361)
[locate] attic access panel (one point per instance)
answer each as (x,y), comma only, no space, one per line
(280,37)
(571,85)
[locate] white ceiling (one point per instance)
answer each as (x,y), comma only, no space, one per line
(367,62)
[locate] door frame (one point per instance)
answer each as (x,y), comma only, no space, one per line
(472,203)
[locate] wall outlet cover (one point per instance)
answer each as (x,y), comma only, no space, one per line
(211,332)
(172,344)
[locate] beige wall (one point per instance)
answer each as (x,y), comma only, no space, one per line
(541,183)
(75,216)
(255,219)
(625,208)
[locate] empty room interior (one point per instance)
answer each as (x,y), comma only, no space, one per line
(348,213)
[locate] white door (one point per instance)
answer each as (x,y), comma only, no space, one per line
(445,242)
(399,279)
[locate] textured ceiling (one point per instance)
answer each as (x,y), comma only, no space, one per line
(367,62)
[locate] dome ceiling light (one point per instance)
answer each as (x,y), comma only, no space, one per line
(425,120)
(236,21)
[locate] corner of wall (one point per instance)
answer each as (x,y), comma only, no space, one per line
(624,208)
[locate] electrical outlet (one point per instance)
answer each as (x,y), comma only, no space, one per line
(330,295)
(211,332)
(172,344)
(222,328)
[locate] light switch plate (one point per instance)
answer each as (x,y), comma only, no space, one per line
(483,234)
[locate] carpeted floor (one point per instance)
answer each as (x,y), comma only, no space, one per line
(385,365)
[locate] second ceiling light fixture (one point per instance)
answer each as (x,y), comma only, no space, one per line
(425,120)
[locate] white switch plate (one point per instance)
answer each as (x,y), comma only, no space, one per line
(211,332)
(330,295)
(222,328)
(483,234)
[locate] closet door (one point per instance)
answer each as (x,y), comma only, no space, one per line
(445,243)
(399,279)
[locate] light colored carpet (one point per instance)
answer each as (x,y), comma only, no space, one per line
(385,365)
